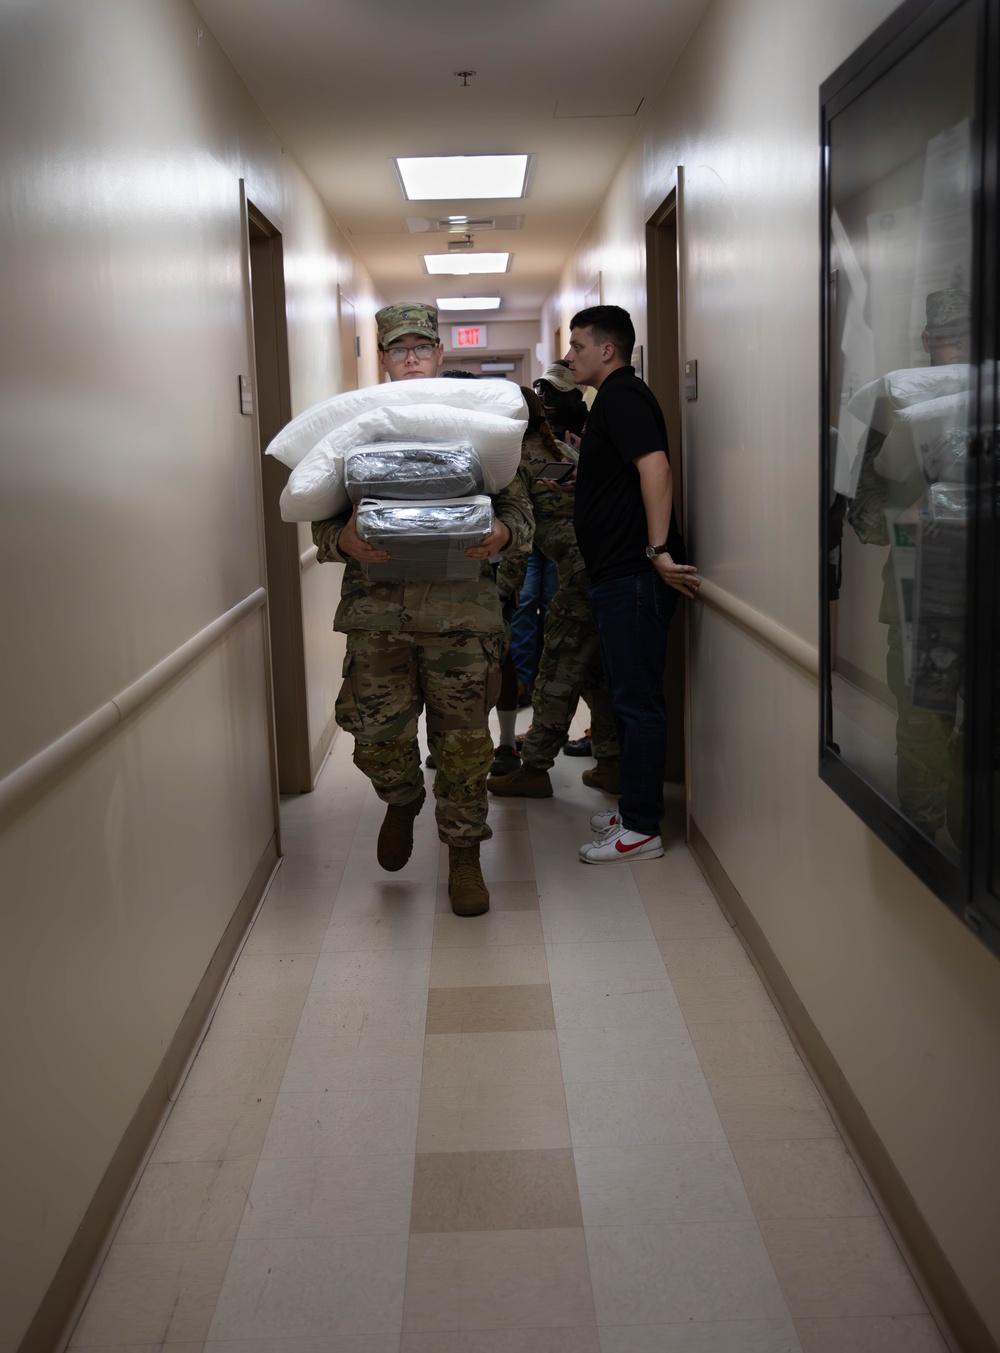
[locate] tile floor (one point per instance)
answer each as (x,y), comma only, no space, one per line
(574,1125)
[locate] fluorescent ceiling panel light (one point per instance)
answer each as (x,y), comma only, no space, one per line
(468,303)
(461,265)
(437,177)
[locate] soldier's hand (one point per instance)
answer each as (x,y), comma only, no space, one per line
(351,544)
(562,485)
(492,544)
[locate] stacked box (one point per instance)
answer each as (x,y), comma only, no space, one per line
(413,471)
(426,541)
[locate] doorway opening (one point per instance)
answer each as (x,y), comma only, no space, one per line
(663,375)
(272,410)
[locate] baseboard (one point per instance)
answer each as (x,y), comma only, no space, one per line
(62,1305)
(322,749)
(949,1303)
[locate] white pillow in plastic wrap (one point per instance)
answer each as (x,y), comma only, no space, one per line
(315,488)
(929,436)
(875,403)
(503,399)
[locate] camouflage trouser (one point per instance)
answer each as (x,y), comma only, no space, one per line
(570,666)
(388,680)
(924,759)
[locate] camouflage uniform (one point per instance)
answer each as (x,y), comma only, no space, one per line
(571,663)
(416,645)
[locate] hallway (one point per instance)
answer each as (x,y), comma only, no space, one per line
(575,1125)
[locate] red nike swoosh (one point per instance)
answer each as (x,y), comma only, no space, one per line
(624,850)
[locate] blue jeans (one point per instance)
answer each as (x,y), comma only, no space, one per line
(527,625)
(633,618)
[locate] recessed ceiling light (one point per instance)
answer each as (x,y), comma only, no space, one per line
(461,265)
(435,177)
(468,303)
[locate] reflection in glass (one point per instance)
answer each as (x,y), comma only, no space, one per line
(901,389)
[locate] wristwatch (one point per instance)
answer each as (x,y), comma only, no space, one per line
(653,550)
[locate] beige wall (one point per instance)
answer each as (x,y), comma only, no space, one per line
(907,1000)
(128,522)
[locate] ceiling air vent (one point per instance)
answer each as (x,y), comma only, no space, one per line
(461,225)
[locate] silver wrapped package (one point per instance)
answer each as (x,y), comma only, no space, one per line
(413,471)
(426,541)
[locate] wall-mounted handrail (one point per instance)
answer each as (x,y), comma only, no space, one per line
(308,557)
(761,626)
(78,740)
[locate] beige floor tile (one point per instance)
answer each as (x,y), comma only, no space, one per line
(650,1185)
(633,965)
(290,923)
(497,1280)
(157,1294)
(873,1334)
(516,1058)
(790,1179)
(497,966)
(496,927)
(359,969)
(348,932)
(507,858)
(756,1107)
(353,1061)
(186,1202)
(715,1336)
(265,995)
(715,1000)
(577,1340)
(600,1054)
(493,1118)
(346,1343)
(593,922)
(515,820)
(459,1010)
(387,896)
(704,959)
(343,1123)
(374,1007)
(145,1348)
(329,1196)
(589,1003)
(680,916)
(747,1048)
(288,1289)
(230,1065)
(323,873)
(495,1191)
(841,1266)
(641,1113)
(675,874)
(211,1128)
(507,895)
(663,1275)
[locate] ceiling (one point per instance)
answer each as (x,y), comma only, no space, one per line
(348,84)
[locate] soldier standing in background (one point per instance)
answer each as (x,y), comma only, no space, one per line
(571,663)
(417,645)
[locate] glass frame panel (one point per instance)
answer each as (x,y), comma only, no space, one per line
(966,879)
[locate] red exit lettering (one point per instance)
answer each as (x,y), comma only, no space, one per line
(468,338)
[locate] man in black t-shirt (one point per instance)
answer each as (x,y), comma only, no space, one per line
(627,532)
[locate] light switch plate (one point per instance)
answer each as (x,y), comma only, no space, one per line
(246,395)
(691,380)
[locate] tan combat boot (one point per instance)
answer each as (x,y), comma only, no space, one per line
(395,838)
(527,782)
(606,775)
(468,893)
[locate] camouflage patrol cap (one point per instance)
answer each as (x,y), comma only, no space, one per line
(949,309)
(406,317)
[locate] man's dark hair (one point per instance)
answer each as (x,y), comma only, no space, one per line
(611,324)
(457,374)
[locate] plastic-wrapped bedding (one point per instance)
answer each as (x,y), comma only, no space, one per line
(501,399)
(315,488)
(426,542)
(411,470)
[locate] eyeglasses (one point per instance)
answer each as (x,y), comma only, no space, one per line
(422,352)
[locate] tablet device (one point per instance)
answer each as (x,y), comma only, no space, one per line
(557,470)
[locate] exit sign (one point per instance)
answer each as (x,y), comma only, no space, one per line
(468,335)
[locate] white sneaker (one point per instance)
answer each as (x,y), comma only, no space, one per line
(601,822)
(618,844)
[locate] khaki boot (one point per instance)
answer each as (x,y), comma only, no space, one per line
(395,838)
(468,893)
(527,782)
(606,775)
